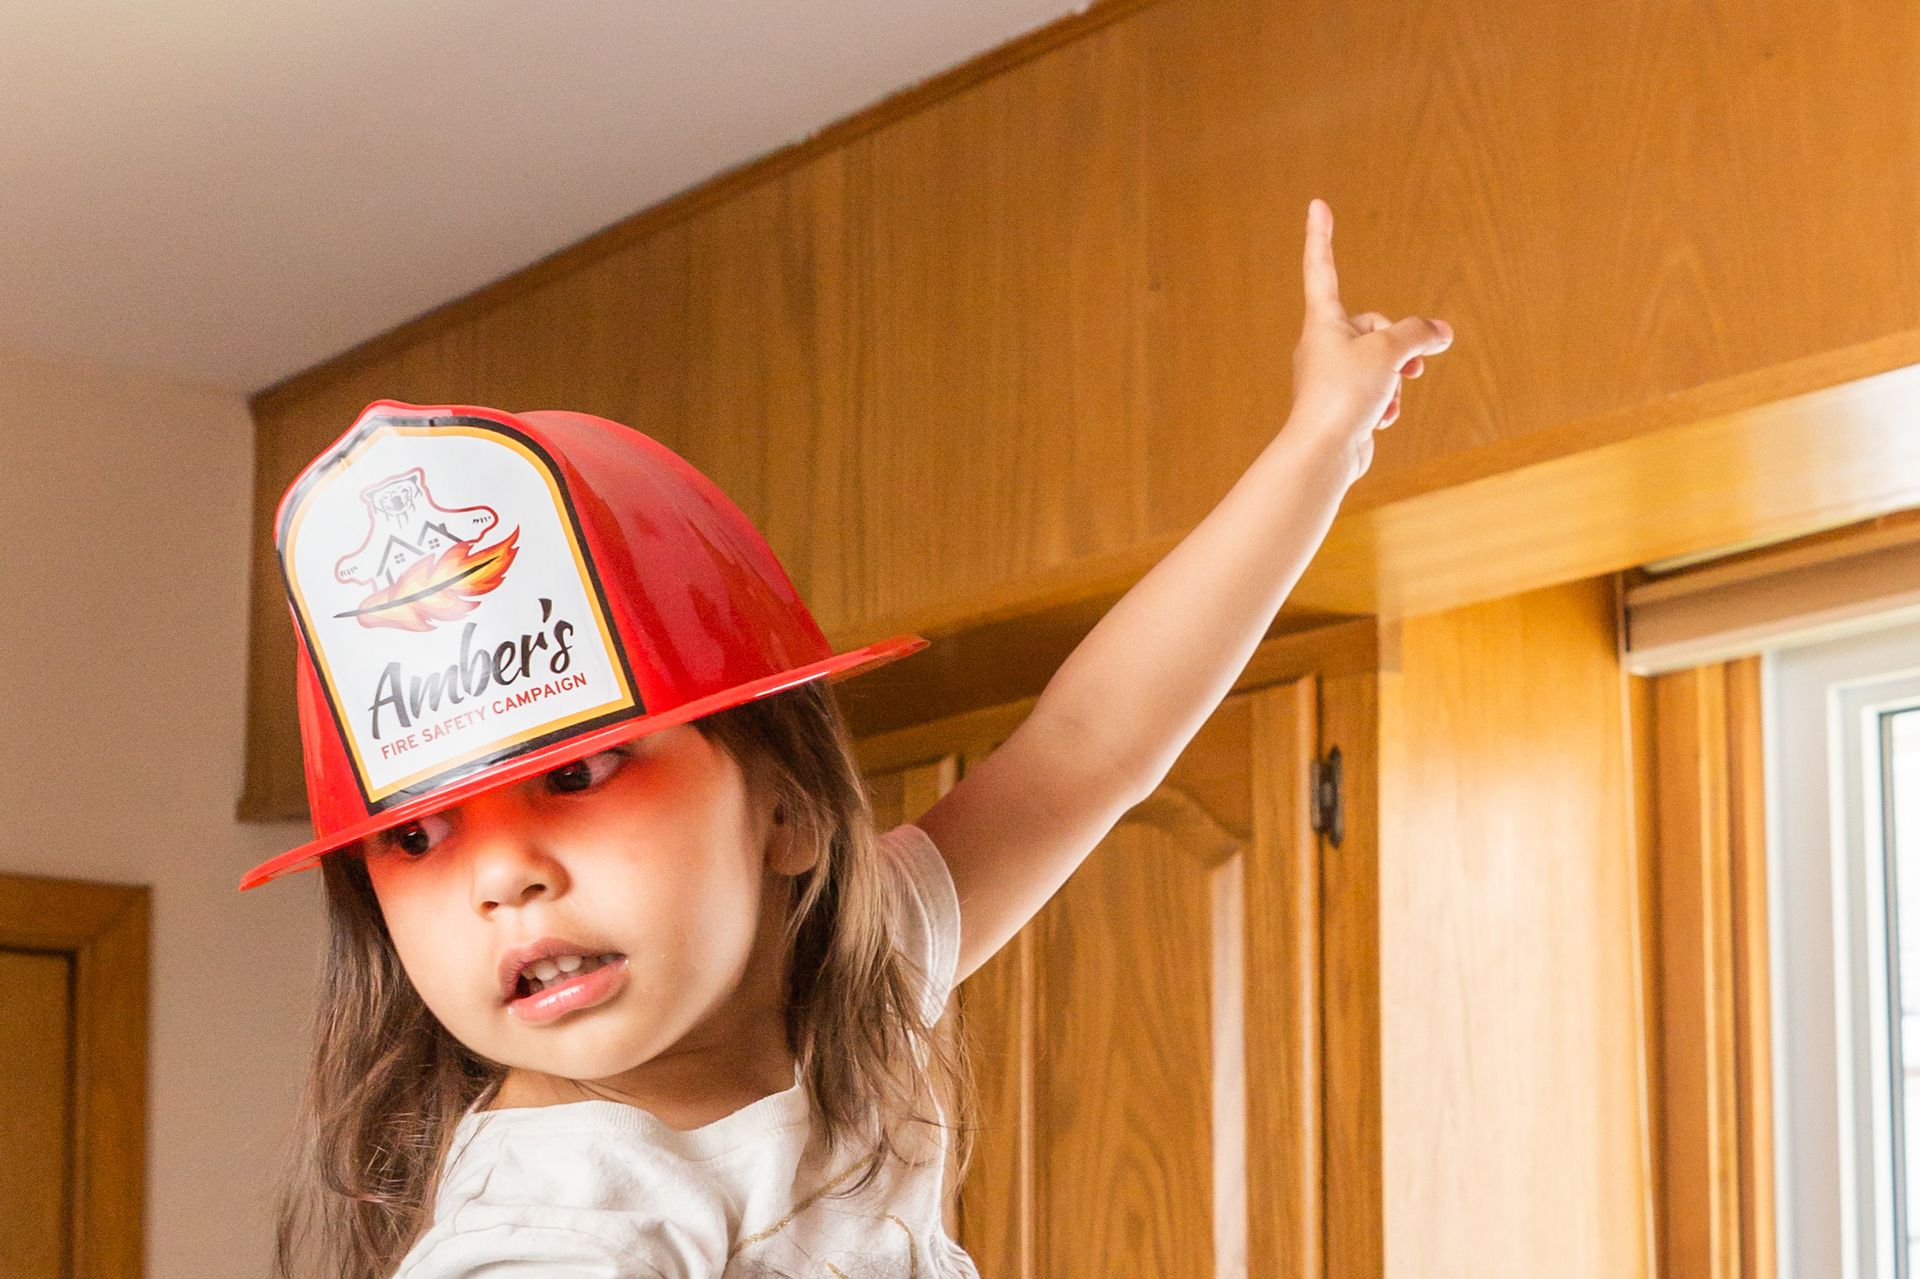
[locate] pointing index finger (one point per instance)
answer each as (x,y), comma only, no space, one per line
(1317,270)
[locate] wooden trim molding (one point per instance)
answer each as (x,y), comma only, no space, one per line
(1712,1069)
(1753,1008)
(102,928)
(1354,1146)
(948,721)
(1285,992)
(1817,459)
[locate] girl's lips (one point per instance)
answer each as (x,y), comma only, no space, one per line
(570,996)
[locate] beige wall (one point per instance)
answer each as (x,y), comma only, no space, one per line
(124,517)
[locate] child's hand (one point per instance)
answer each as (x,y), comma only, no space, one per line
(1347,368)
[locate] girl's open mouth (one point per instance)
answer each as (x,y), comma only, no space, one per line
(554,987)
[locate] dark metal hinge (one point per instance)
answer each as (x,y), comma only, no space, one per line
(1329,815)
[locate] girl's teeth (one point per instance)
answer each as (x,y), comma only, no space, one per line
(549,972)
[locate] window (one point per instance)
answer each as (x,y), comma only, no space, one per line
(1843,745)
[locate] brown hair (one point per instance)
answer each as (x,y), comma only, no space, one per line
(389,1084)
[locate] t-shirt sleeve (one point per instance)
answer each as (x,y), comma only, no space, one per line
(927,925)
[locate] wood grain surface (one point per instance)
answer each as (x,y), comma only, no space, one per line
(1752,981)
(1149,1060)
(1359,646)
(1094,1037)
(1643,802)
(1772,470)
(1511,1018)
(902,795)
(1160,154)
(1124,1081)
(36,1131)
(1352,928)
(1698,1078)
(1023,326)
(1716,1154)
(1285,1134)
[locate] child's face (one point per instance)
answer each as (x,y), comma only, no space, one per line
(634,882)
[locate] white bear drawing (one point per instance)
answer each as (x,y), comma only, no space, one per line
(407,525)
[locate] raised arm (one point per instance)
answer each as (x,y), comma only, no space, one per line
(1128,700)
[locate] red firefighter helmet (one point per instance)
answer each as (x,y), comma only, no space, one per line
(479,597)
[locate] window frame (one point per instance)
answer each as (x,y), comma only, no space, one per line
(1835,1156)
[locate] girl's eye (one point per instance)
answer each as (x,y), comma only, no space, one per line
(585,774)
(415,838)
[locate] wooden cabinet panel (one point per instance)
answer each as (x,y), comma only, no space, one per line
(1147,1053)
(1081,255)
(1510,1021)
(36,1070)
(1126,1067)
(1246,775)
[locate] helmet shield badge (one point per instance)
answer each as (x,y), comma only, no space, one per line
(439,578)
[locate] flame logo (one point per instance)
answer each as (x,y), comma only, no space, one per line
(438,590)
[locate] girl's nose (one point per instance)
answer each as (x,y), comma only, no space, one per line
(512,867)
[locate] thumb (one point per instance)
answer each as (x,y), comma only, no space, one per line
(1415,336)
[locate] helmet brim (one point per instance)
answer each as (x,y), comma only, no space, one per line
(532,764)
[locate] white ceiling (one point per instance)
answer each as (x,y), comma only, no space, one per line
(229,191)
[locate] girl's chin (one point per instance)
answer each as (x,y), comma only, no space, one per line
(555,1078)
(595,1053)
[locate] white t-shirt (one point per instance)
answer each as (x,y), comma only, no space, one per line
(601,1190)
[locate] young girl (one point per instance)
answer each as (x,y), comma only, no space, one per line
(621,980)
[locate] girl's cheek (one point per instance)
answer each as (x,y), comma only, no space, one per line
(422,935)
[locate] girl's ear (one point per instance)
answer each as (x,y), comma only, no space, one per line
(785,856)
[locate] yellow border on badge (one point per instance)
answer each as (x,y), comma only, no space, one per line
(561,509)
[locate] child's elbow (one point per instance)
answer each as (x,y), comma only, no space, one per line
(1116,778)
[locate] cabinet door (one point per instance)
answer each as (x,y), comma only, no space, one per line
(36,1072)
(73,1066)
(1113,1040)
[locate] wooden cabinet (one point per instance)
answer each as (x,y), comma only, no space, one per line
(1442,1021)
(1159,1072)
(1000,339)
